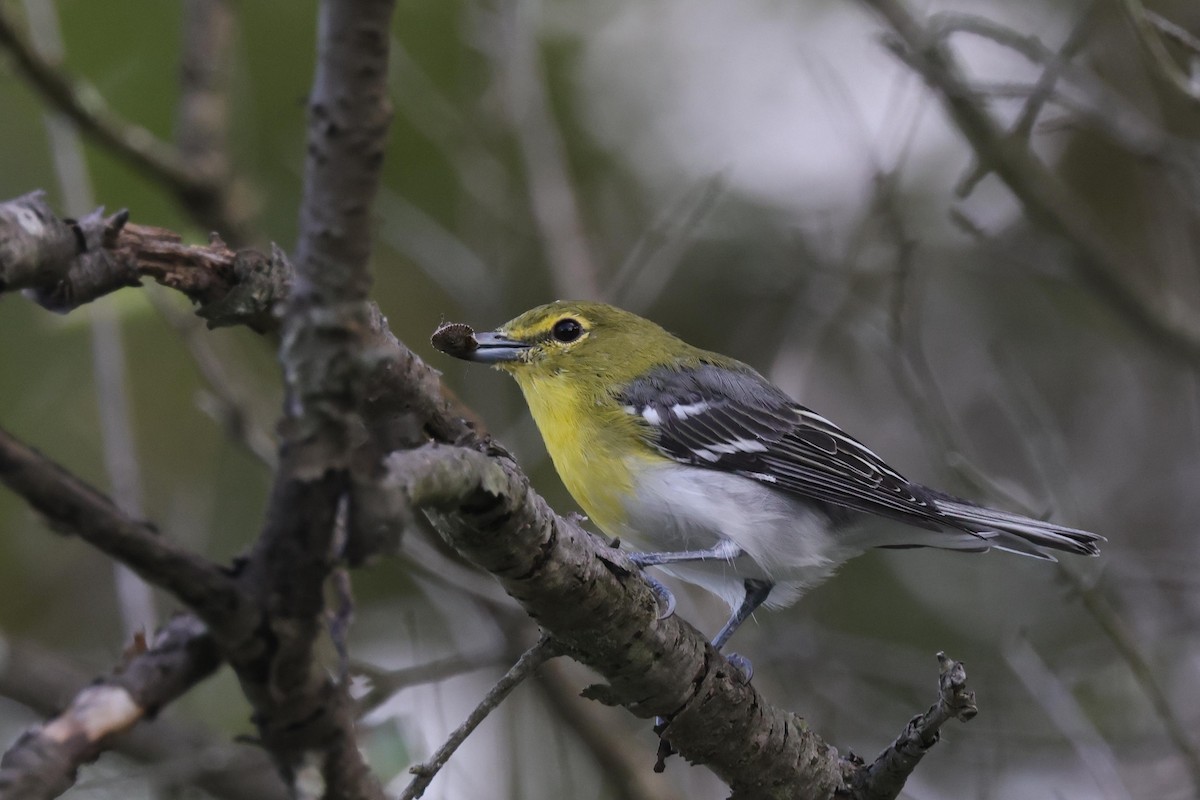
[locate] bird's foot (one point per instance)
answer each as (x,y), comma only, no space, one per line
(664,595)
(742,665)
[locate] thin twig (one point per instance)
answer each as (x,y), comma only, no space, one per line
(529,661)
(1178,34)
(1131,652)
(1065,712)
(556,210)
(134,598)
(1105,110)
(1037,98)
(1104,263)
(387,682)
(76,508)
(132,143)
(227,399)
(1161,61)
(44,761)
(885,778)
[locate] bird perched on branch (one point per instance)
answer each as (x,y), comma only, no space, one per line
(721,478)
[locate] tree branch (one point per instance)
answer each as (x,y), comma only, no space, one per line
(75,508)
(599,611)
(303,716)
(1147,29)
(529,661)
(884,779)
(44,761)
(174,753)
(64,263)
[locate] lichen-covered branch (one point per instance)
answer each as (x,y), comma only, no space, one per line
(598,610)
(304,716)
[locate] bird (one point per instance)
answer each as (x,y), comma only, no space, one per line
(715,474)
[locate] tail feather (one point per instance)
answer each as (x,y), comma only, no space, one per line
(1016,533)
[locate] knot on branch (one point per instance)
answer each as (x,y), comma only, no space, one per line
(260,285)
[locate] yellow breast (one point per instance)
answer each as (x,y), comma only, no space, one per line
(592,443)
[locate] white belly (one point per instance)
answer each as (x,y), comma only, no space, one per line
(783,539)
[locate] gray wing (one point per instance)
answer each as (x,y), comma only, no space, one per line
(717,418)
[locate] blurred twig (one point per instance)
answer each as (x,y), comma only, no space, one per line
(555,206)
(1130,651)
(1174,32)
(651,262)
(1094,601)
(1101,108)
(422,103)
(175,753)
(623,761)
(134,598)
(915,377)
(44,761)
(1104,262)
(439,253)
(533,658)
(200,194)
(1148,30)
(202,118)
(917,382)
(228,397)
(387,682)
(1040,93)
(1065,712)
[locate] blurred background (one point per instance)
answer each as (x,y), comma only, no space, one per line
(763,178)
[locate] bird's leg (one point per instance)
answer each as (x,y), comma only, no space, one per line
(724,550)
(756,593)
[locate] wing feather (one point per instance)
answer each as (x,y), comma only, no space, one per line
(717,417)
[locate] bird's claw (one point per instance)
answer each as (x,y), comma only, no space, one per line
(741,664)
(663,594)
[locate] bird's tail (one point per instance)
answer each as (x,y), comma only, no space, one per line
(1016,533)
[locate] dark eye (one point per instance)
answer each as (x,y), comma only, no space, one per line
(566,330)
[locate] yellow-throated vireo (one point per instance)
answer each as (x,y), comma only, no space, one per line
(721,478)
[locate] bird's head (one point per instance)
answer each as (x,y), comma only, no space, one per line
(582,340)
